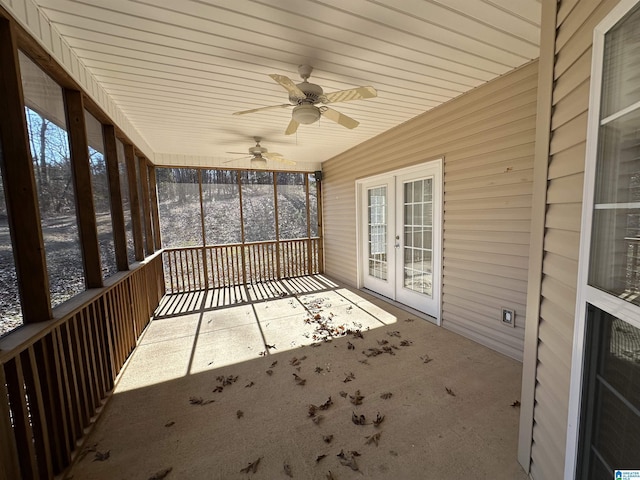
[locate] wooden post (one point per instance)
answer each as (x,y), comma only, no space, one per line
(154,207)
(275,208)
(20,187)
(144,178)
(134,201)
(85,210)
(117,213)
(204,235)
(320,240)
(309,249)
(242,247)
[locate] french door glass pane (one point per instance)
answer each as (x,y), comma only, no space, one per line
(377,231)
(418,236)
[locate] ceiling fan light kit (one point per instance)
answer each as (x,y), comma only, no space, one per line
(306,113)
(304,96)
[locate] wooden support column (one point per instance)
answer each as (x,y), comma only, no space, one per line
(85,210)
(117,213)
(309,249)
(242,247)
(321,239)
(144,178)
(205,267)
(279,263)
(134,201)
(154,207)
(20,187)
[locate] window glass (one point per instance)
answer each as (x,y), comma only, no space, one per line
(292,205)
(258,209)
(10,311)
(313,204)
(47,130)
(179,204)
(143,207)
(221,203)
(620,75)
(126,201)
(101,196)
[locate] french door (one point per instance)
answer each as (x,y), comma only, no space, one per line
(400,232)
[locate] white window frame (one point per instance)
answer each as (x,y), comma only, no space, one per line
(586,294)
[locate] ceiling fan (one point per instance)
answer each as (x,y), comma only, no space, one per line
(305,96)
(259,155)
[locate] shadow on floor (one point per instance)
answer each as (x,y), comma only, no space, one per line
(209,393)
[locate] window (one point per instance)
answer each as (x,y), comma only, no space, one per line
(126,201)
(101,195)
(258,207)
(47,129)
(605,390)
(10,310)
(179,199)
(221,205)
(292,211)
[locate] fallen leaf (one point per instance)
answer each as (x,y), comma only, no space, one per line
(364,361)
(312,410)
(355,453)
(356,398)
(426,359)
(161,474)
(317,419)
(379,419)
(410,320)
(342,393)
(239,414)
(169,424)
(269,372)
(199,401)
(350,346)
(252,467)
(294,362)
(287,470)
(348,461)
(250,384)
(327,438)
(358,419)
(373,352)
(450,392)
(326,404)
(375,439)
(274,364)
(263,354)
(382,342)
(320,457)
(330,476)
(405,343)
(218,389)
(516,404)
(299,381)
(349,377)
(386,395)
(101,457)
(273,347)
(394,333)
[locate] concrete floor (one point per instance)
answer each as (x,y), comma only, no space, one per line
(150,424)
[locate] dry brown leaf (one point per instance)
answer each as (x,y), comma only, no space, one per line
(320,457)
(375,439)
(161,474)
(252,467)
(101,457)
(356,398)
(358,419)
(450,392)
(327,438)
(386,395)
(287,470)
(239,414)
(169,424)
(379,419)
(516,404)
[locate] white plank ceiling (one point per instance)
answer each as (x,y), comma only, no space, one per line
(179,69)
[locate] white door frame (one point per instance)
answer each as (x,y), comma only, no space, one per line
(437,224)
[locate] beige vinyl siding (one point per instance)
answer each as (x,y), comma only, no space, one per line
(486,138)
(575,24)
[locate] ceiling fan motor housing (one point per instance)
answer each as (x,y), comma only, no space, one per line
(312,91)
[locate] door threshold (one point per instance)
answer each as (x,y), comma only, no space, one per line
(402,306)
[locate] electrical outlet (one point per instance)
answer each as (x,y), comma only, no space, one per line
(508,317)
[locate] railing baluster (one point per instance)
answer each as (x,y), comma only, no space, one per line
(8,448)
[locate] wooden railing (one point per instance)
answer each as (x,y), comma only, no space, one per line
(55,376)
(215,266)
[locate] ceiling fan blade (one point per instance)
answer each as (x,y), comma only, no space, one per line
(288,85)
(276,157)
(339,118)
(284,105)
(358,93)
(292,128)
(237,153)
(235,159)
